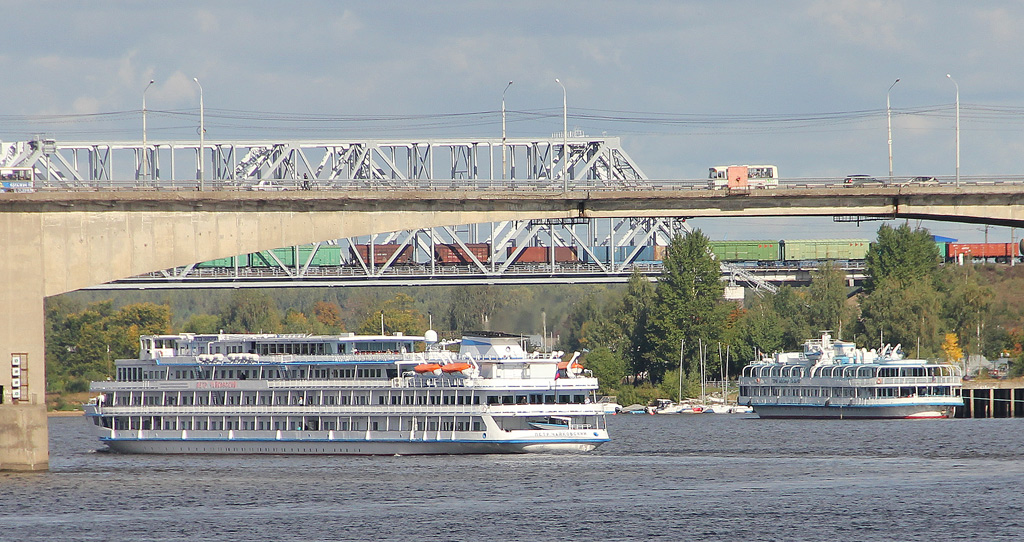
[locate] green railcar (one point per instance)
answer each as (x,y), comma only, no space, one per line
(824,249)
(326,255)
(266,258)
(243,261)
(745,251)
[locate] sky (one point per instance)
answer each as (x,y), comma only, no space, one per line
(685,84)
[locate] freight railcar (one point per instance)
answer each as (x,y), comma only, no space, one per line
(824,249)
(543,254)
(1000,252)
(326,255)
(453,253)
(746,251)
(381,253)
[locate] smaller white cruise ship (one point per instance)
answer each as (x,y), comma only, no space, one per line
(346,394)
(835,379)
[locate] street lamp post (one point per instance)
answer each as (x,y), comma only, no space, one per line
(503,162)
(957,129)
(145,149)
(202,132)
(888,116)
(565,136)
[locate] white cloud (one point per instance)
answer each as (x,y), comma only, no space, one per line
(86,105)
(873,24)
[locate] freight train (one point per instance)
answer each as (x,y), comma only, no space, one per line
(745,252)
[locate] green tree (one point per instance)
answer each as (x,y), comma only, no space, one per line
(202,323)
(967,304)
(902,313)
(759,331)
(609,368)
(900,254)
(399,315)
(687,305)
(633,320)
(471,307)
(826,299)
(251,311)
(82,346)
(297,322)
(790,305)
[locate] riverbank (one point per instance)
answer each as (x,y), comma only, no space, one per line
(63,413)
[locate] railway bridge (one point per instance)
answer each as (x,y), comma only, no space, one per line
(60,239)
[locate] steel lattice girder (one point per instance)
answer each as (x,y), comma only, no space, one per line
(341,164)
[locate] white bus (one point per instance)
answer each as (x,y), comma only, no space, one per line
(741,177)
(17,179)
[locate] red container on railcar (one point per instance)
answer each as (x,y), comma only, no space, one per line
(382,253)
(543,255)
(454,253)
(999,251)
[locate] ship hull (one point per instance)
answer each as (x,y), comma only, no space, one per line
(330,443)
(854,412)
(349,447)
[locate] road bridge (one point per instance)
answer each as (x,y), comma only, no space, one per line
(56,240)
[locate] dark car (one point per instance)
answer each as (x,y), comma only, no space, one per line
(862,180)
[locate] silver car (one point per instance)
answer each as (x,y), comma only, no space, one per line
(861,180)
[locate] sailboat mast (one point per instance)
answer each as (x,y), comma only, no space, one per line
(682,346)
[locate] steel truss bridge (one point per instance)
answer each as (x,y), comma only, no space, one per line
(490,253)
(364,164)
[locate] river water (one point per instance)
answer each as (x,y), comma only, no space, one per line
(679,478)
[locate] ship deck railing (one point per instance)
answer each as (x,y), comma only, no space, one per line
(405,382)
(828,381)
(565,409)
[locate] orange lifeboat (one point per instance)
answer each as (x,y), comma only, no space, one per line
(457,367)
(424,368)
(574,366)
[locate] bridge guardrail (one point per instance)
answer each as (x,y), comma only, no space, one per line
(498,185)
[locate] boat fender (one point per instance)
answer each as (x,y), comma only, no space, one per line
(878,381)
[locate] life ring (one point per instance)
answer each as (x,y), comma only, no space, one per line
(878,381)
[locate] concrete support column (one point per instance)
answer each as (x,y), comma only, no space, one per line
(24,443)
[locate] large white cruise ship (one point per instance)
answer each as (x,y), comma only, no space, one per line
(835,379)
(345,394)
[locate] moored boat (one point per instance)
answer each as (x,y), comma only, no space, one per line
(835,379)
